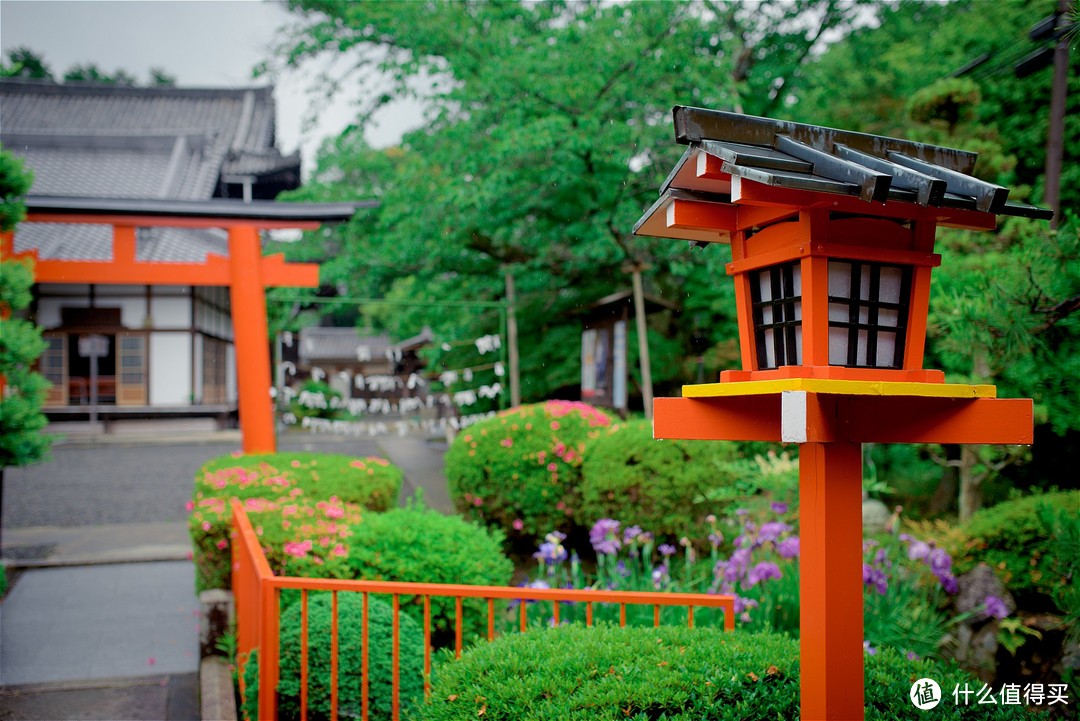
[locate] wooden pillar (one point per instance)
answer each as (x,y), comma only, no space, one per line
(251,335)
(830,581)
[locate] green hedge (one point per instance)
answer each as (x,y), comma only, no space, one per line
(350,659)
(666,673)
(658,485)
(420,545)
(521,470)
(277,480)
(1014,539)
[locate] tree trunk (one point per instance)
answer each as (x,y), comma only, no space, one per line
(945,496)
(970,482)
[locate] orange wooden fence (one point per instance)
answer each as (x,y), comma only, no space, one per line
(257,594)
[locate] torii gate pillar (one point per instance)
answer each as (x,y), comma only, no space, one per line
(250,332)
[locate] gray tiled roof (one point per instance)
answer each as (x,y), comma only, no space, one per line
(132,142)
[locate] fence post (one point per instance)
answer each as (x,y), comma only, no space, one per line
(269,608)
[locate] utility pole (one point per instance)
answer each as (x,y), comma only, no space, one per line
(643,340)
(1055,142)
(512,338)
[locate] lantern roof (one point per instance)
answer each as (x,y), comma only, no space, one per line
(818,163)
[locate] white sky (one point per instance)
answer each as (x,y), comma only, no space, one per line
(200,42)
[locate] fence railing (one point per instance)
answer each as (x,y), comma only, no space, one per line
(257,592)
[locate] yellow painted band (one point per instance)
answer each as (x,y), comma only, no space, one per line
(839,387)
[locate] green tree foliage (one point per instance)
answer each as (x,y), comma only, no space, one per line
(21,420)
(547,135)
(22,62)
(91,73)
(1003,305)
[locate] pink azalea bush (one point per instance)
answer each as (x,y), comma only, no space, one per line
(335,486)
(521,470)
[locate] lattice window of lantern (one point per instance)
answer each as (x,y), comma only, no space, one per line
(868,313)
(776,296)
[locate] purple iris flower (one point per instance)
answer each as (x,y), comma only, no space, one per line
(881,558)
(789,547)
(940,561)
(604,537)
(666,549)
(779,508)
(918,550)
(772,530)
(631,533)
(873,576)
(763,572)
(660,576)
(744,604)
(551,554)
(995,607)
(716,538)
(948,582)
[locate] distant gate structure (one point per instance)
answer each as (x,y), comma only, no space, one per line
(245,272)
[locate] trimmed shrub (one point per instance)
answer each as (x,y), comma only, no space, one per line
(298,536)
(661,486)
(672,673)
(420,545)
(277,480)
(521,470)
(350,660)
(1014,539)
(372,482)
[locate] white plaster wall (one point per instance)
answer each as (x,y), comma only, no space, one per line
(198,356)
(230,374)
(170,312)
(132,309)
(170,369)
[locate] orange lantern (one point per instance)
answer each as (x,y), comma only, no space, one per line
(832,240)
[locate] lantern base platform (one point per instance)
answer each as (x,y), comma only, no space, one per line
(838,387)
(817,411)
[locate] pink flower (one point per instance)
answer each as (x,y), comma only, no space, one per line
(189,506)
(518,524)
(552,467)
(206,525)
(334,512)
(554,425)
(222,544)
(506,442)
(478,501)
(296,549)
(296,464)
(339,550)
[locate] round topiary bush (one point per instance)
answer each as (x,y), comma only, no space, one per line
(277,480)
(422,546)
(350,660)
(680,674)
(1015,539)
(521,470)
(658,485)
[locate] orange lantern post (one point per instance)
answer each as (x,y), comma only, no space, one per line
(832,243)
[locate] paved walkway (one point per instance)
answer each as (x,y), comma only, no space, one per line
(102,621)
(105,621)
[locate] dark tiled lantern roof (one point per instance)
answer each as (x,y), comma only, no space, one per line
(794,156)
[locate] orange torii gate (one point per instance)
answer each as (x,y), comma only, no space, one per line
(246,272)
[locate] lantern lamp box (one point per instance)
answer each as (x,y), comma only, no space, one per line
(832,244)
